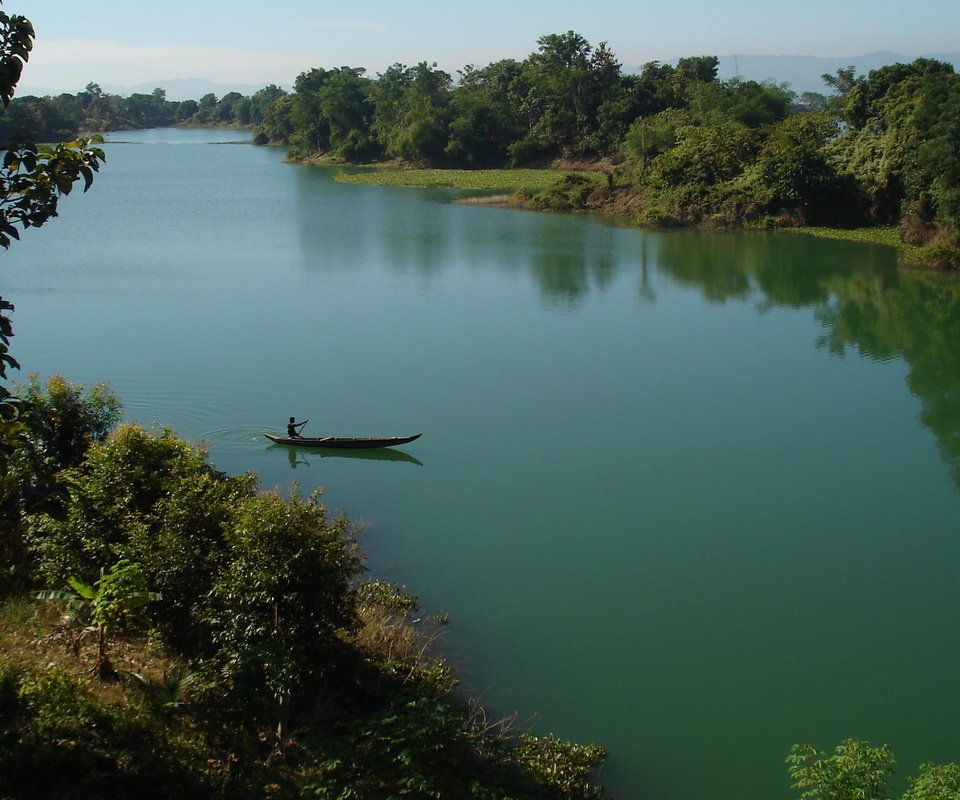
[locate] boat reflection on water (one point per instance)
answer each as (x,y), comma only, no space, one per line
(303,455)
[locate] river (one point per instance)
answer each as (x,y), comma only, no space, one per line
(692,496)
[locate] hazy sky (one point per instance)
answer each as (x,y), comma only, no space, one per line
(127,42)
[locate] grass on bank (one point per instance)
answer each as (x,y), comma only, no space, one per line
(566,190)
(886,235)
(492,180)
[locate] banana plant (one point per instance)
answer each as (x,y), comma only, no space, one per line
(112,602)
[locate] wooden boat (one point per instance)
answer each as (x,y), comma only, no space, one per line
(344,442)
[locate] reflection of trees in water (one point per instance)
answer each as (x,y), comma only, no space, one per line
(914,316)
(862,300)
(860,297)
(778,270)
(567,268)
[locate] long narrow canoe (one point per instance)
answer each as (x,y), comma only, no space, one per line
(346,442)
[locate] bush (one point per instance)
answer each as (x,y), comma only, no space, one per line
(284,590)
(113,497)
(58,741)
(63,419)
(58,423)
(941,256)
(570,193)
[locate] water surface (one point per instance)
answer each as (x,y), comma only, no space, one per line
(691,496)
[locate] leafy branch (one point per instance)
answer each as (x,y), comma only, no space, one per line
(111,603)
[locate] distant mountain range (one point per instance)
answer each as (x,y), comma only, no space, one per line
(803,73)
(177,89)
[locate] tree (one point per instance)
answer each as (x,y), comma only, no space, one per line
(310,132)
(412,111)
(344,101)
(748,102)
(230,108)
(855,771)
(262,98)
(706,154)
(277,123)
(32,180)
(797,171)
(901,142)
(187,109)
(285,589)
(485,112)
(111,603)
(207,110)
(557,103)
(650,136)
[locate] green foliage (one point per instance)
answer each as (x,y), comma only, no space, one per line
(16,43)
(650,136)
(903,138)
(277,123)
(56,424)
(151,498)
(117,597)
(57,702)
(413,748)
(570,193)
(113,494)
(482,180)
(703,151)
(706,155)
(182,549)
(935,783)
(57,741)
(33,178)
(566,768)
(797,171)
(266,607)
(484,114)
(283,594)
(940,256)
(746,102)
(855,771)
(573,100)
(63,419)
(424,747)
(411,112)
(344,101)
(112,603)
(169,693)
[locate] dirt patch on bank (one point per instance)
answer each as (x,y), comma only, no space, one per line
(503,200)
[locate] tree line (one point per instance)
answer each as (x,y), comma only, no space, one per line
(62,117)
(680,145)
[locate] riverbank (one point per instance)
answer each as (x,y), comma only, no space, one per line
(202,677)
(592,188)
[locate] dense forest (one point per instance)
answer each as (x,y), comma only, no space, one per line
(678,145)
(674,144)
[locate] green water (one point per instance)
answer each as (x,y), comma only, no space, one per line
(691,496)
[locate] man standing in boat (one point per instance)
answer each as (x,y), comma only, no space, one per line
(293,428)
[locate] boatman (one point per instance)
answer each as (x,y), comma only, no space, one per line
(293,428)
